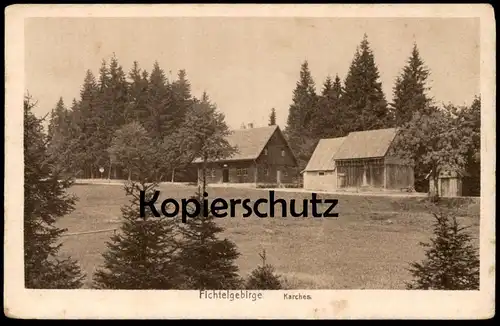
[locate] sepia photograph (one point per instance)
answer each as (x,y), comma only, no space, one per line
(250,161)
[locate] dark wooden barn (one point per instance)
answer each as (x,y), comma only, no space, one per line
(362,161)
(263,157)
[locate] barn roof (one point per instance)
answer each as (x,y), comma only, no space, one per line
(366,144)
(249,142)
(322,158)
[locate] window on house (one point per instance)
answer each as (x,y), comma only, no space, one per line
(265,151)
(245,172)
(266,171)
(214,172)
(322,173)
(285,173)
(238,172)
(283,152)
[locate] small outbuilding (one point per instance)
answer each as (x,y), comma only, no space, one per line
(450,183)
(320,172)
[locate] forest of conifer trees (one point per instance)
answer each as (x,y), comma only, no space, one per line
(82,134)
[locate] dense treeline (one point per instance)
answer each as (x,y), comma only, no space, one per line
(430,132)
(81,136)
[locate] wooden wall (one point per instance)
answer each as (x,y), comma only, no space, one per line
(447,187)
(273,160)
(267,173)
(374,173)
(354,172)
(232,167)
(399,176)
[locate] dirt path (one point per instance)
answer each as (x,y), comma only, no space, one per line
(235,185)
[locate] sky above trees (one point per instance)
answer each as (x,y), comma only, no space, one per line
(248,65)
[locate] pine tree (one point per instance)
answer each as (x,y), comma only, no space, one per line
(328,116)
(141,255)
(118,96)
(363,98)
(452,262)
(410,90)
(45,200)
(264,277)
(300,116)
(93,138)
(58,119)
(272,117)
(60,143)
(182,100)
(76,152)
(205,261)
(159,103)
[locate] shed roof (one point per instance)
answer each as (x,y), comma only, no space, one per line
(322,158)
(366,144)
(249,142)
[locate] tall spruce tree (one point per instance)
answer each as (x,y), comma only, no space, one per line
(272,117)
(300,117)
(159,103)
(410,90)
(60,143)
(45,200)
(205,260)
(58,119)
(88,122)
(363,98)
(328,115)
(117,93)
(141,254)
(182,100)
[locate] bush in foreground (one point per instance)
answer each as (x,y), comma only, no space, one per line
(264,277)
(452,262)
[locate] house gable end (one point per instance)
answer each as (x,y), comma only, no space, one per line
(277,135)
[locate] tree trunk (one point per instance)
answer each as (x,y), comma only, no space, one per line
(109,170)
(173,175)
(129,173)
(204,175)
(435,178)
(91,171)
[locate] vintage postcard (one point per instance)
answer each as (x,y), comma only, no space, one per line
(250,161)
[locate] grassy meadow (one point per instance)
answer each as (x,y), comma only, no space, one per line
(369,246)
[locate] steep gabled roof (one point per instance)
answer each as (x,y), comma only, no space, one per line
(249,142)
(366,144)
(322,158)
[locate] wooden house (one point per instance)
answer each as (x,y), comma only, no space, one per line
(450,183)
(359,160)
(263,156)
(320,172)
